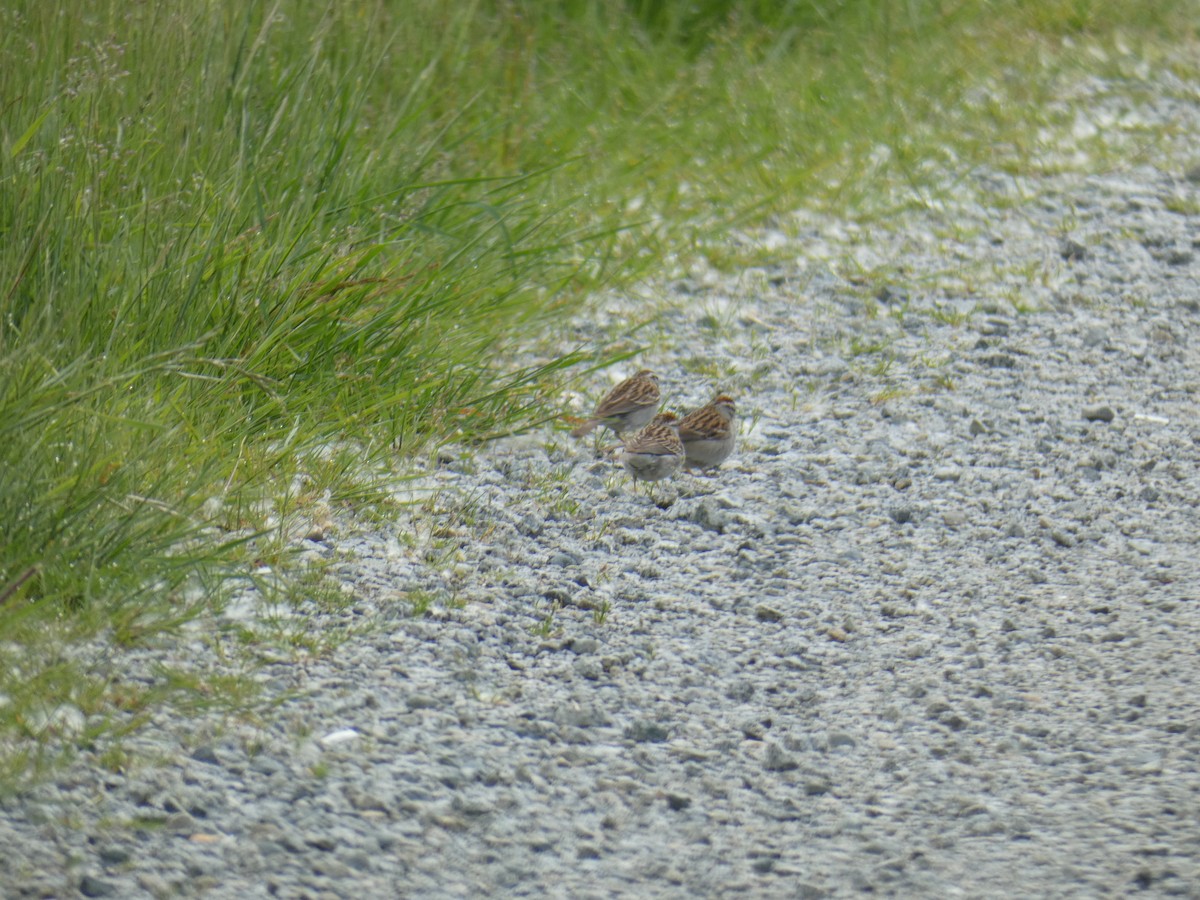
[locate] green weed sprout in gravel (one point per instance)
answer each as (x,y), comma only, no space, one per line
(252,245)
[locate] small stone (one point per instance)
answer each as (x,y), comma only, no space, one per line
(91,886)
(589,667)
(646,732)
(753,730)
(840,739)
(678,802)
(364,801)
(156,885)
(585,645)
(778,761)
(999,361)
(266,765)
(1062,538)
(113,856)
(341,736)
(206,753)
(530,526)
(741,690)
(955,518)
(559,595)
(180,823)
(766,613)
(830,366)
(709,516)
(937,708)
(1099,412)
(581,715)
(947,473)
(799,515)
(474,806)
(1072,251)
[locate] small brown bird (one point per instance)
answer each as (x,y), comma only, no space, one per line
(655,452)
(708,432)
(627,407)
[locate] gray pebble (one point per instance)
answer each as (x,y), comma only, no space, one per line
(707,514)
(589,667)
(678,802)
(90,886)
(155,885)
(776,760)
(1072,251)
(753,730)
(585,645)
(1098,412)
(643,731)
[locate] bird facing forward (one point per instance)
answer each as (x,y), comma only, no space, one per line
(655,452)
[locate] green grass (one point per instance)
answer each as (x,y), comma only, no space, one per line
(251,252)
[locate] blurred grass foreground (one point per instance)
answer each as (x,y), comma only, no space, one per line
(235,235)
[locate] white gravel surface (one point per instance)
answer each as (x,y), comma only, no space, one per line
(932,631)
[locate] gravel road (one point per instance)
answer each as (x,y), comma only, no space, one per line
(930,632)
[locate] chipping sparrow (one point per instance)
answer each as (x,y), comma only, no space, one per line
(708,432)
(627,407)
(655,452)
